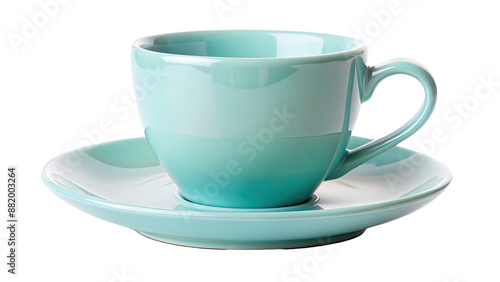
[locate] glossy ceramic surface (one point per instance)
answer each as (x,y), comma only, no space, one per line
(123,183)
(259,119)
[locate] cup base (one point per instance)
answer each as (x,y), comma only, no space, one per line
(310,204)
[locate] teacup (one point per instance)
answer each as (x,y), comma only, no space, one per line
(258,119)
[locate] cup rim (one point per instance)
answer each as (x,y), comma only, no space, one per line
(359,47)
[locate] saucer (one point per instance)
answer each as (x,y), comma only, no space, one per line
(123,183)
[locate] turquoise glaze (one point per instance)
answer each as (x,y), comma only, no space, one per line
(259,119)
(122,182)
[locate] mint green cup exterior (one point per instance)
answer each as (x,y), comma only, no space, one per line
(258,119)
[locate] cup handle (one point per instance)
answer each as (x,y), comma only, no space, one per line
(373,76)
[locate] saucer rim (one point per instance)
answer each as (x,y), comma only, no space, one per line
(428,194)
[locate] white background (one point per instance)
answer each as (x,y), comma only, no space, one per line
(61,81)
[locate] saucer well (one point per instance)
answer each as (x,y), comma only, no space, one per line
(123,183)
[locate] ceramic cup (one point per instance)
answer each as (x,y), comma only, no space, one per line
(258,119)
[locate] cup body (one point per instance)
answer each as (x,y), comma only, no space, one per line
(251,119)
